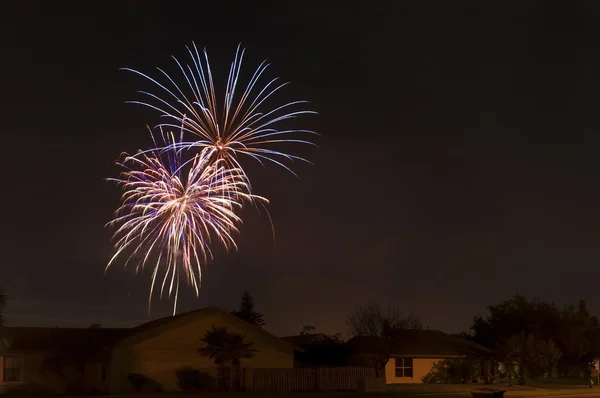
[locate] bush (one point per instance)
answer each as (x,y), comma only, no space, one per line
(138,381)
(190,379)
(452,371)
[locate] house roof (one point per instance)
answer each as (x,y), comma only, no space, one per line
(149,329)
(421,343)
(45,339)
(304,340)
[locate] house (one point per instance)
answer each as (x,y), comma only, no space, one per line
(154,351)
(416,354)
(49,356)
(319,350)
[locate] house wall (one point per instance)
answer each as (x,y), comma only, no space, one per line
(92,378)
(32,373)
(421,366)
(31,365)
(171,348)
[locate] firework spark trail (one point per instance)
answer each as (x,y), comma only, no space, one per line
(236,128)
(171,208)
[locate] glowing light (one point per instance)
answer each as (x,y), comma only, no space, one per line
(240,126)
(171,209)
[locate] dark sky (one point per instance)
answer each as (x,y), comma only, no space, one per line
(458,163)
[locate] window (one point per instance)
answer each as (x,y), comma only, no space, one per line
(12,369)
(404,367)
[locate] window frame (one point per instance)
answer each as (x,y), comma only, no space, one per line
(400,364)
(11,370)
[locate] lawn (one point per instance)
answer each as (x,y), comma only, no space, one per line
(535,388)
(446,391)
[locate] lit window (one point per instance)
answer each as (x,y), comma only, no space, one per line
(404,367)
(12,369)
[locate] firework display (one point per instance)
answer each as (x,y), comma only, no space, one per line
(240,126)
(172,208)
(182,196)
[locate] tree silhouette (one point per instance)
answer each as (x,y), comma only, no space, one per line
(532,356)
(247,312)
(73,354)
(225,347)
(381,325)
(307,329)
(69,356)
(573,330)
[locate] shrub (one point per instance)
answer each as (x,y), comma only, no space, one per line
(138,381)
(190,379)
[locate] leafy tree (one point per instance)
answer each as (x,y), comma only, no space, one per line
(515,316)
(337,338)
(578,338)
(574,330)
(572,340)
(68,356)
(225,347)
(452,371)
(322,349)
(531,356)
(138,381)
(382,325)
(247,312)
(533,319)
(57,363)
(307,329)
(76,354)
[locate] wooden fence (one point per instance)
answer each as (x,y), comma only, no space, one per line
(305,379)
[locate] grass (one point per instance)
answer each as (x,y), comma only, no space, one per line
(422,393)
(549,383)
(535,388)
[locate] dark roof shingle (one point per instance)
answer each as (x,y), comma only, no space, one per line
(420,343)
(157,323)
(305,340)
(47,339)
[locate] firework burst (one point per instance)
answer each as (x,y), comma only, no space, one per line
(171,210)
(240,126)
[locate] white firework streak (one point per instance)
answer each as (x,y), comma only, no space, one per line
(171,208)
(239,126)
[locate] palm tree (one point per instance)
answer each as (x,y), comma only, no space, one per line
(225,347)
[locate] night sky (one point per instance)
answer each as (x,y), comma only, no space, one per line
(457,164)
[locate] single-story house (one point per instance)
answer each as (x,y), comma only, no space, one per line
(319,350)
(49,357)
(415,353)
(54,357)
